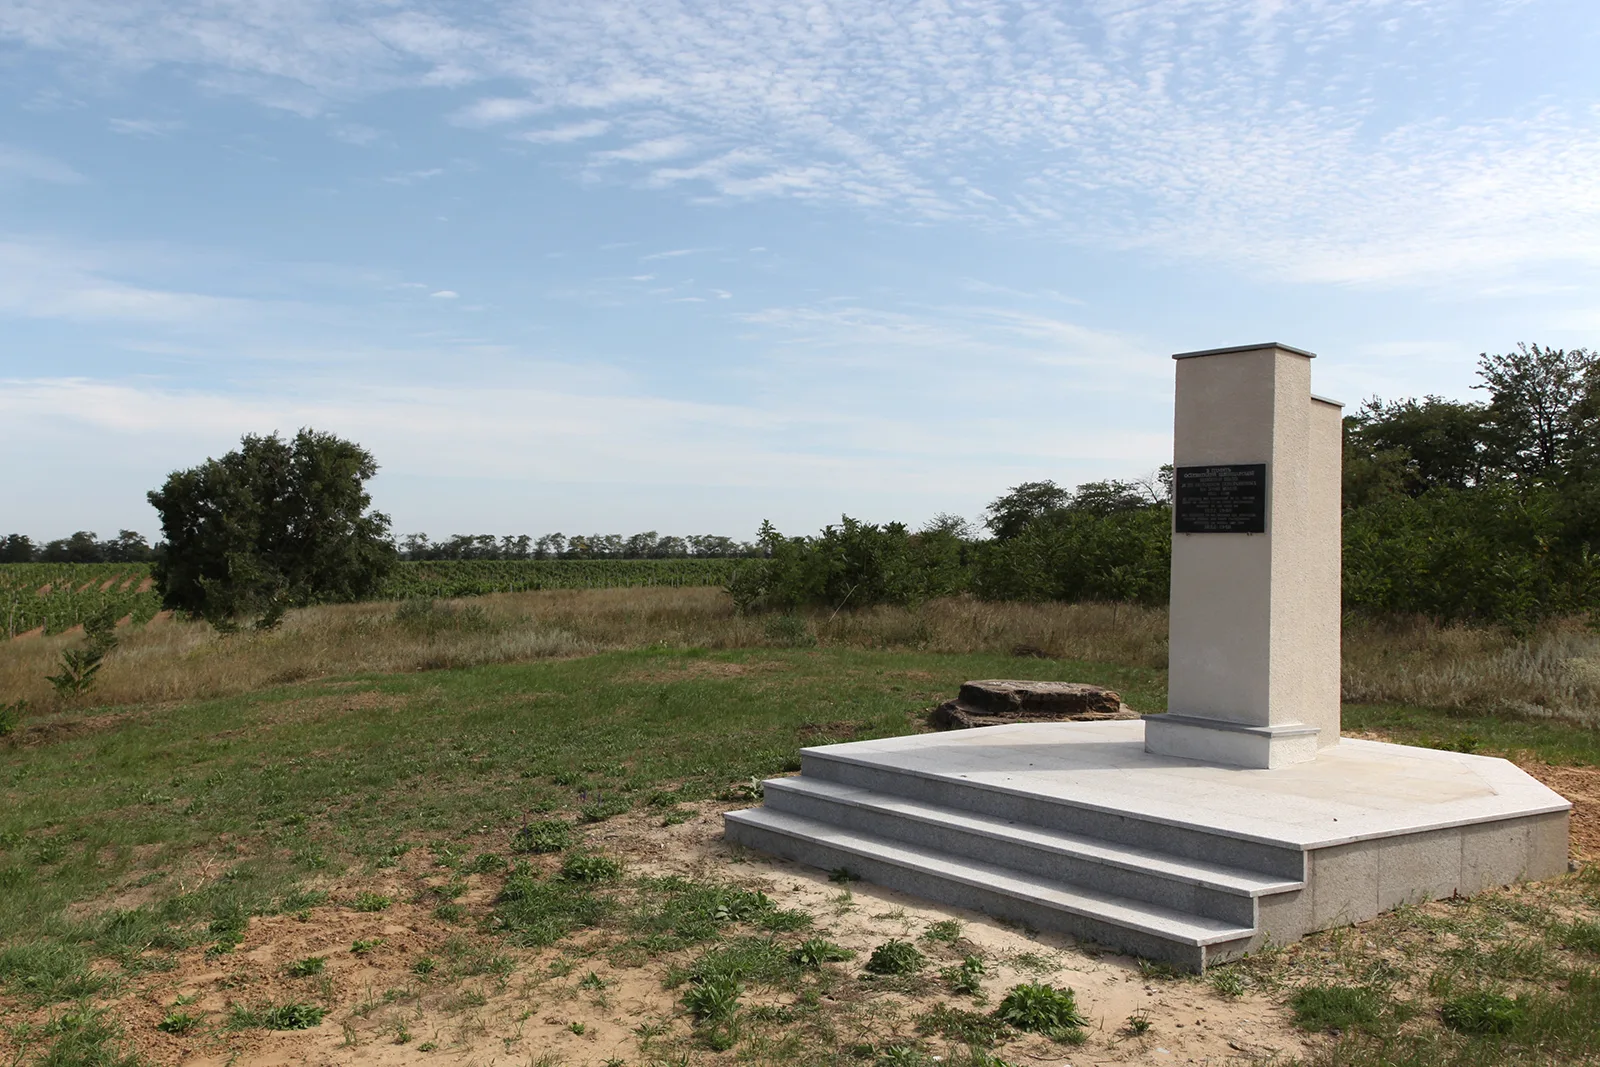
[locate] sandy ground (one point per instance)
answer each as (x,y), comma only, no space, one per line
(383,1013)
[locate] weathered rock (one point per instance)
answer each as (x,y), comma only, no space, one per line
(996,702)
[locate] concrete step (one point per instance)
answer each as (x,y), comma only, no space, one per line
(1117,870)
(1055,813)
(1148,930)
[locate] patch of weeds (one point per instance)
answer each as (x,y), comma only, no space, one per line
(427,1046)
(947,931)
(896,957)
(784,920)
(179,1022)
(466,998)
(1583,936)
(1039,1008)
(676,816)
(744,959)
(1335,1007)
(47,973)
(11,717)
(578,1028)
(966,977)
(602,808)
(544,836)
(590,868)
(1229,983)
(968,1027)
(715,998)
(300,900)
(424,966)
(749,789)
(903,1056)
(450,913)
(306,968)
(448,890)
(1155,971)
(814,952)
(1482,1012)
(86,1037)
(536,914)
(361,946)
(843,875)
(370,902)
(485,863)
(296,1015)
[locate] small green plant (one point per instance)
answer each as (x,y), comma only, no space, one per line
(1334,1007)
(966,977)
(902,1056)
(296,1015)
(592,981)
(545,835)
(843,875)
(401,1035)
(11,717)
(424,966)
(363,945)
(814,952)
(968,1027)
(577,1027)
(589,868)
(602,808)
(1229,983)
(715,998)
(896,957)
(179,1022)
(1040,1008)
(947,931)
(485,863)
(791,630)
(1482,1012)
(306,968)
(79,666)
(1582,936)
(427,1046)
(450,912)
(370,902)
(1138,1024)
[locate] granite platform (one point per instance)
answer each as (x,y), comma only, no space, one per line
(1075,827)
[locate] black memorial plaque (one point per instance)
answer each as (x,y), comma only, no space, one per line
(1222,498)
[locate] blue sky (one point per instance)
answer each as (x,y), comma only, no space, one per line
(688,265)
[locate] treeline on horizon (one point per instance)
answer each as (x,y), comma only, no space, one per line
(1483,511)
(129,546)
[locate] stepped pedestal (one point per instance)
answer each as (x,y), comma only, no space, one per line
(1076,827)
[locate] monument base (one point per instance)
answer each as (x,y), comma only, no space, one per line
(1076,827)
(1231,743)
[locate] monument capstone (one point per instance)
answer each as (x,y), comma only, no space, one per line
(1239,816)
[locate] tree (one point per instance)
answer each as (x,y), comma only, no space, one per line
(273,525)
(1542,405)
(1010,514)
(16,548)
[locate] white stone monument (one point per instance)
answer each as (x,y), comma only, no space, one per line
(1253,676)
(1235,820)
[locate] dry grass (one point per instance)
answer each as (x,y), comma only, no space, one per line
(1555,672)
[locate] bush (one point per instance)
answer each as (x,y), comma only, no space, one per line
(853,565)
(713,999)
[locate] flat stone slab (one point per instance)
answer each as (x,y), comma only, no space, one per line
(1353,791)
(1002,702)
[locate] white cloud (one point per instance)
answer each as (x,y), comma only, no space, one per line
(52,280)
(576,131)
(1268,136)
(145,127)
(411,177)
(20,163)
(445,294)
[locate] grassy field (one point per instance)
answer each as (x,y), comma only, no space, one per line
(434,804)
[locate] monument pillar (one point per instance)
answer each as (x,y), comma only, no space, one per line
(1253,660)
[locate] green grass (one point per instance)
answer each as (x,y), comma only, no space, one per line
(1549,741)
(455,751)
(1335,1007)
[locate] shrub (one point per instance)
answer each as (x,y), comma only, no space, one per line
(896,957)
(11,717)
(1482,1012)
(546,835)
(1041,1009)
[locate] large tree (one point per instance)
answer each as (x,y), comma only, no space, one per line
(273,525)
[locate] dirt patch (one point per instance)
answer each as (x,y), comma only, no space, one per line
(1581,785)
(63,727)
(146,585)
(827,733)
(702,668)
(37,631)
